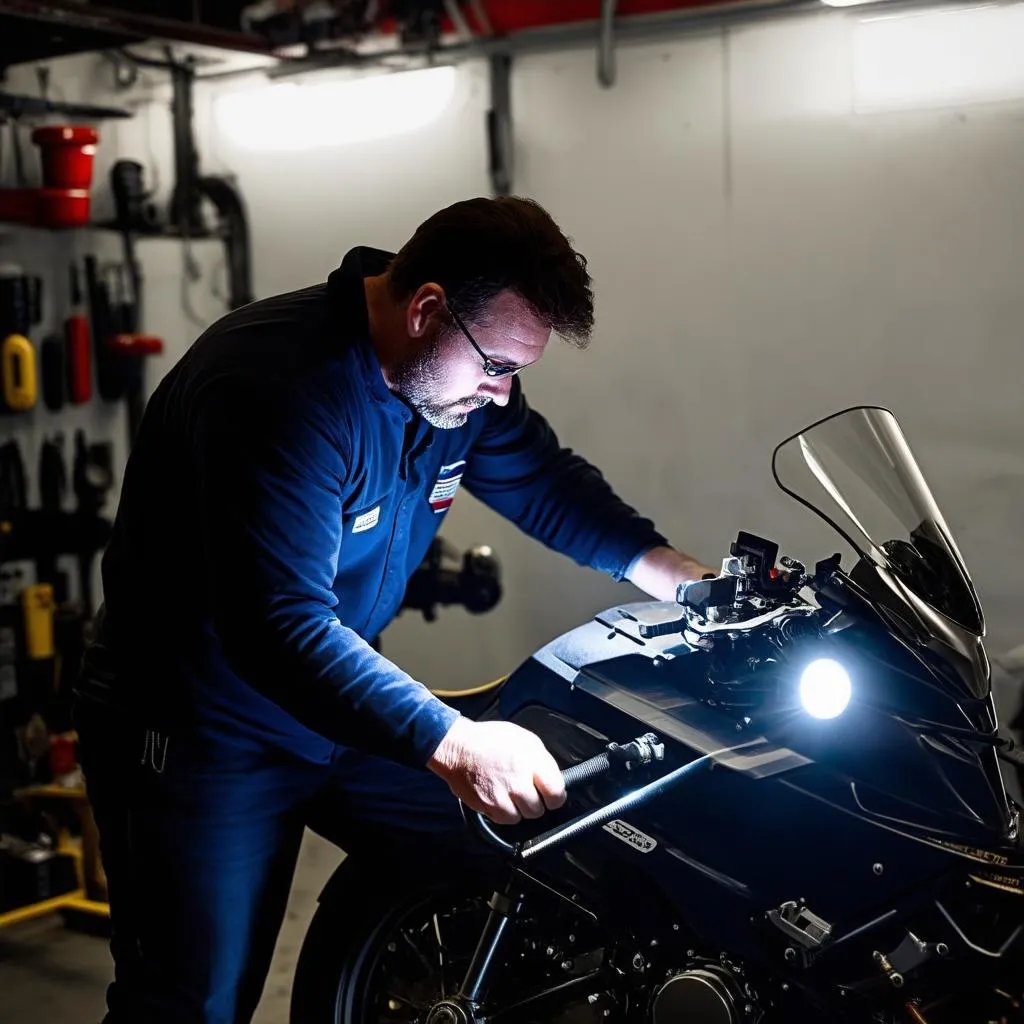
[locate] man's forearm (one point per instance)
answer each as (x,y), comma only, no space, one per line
(662,569)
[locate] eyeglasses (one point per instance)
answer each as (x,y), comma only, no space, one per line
(491,368)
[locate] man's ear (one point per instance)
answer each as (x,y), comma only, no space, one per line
(426,304)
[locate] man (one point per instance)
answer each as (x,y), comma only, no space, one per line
(289,475)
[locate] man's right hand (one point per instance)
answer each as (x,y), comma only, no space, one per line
(499,769)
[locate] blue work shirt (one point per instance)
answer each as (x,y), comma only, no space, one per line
(276,502)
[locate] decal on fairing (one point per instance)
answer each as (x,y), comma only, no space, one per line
(640,841)
(1006,883)
(972,852)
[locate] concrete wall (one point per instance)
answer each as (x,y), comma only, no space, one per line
(778,226)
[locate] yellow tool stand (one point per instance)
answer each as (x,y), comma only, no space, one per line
(91,880)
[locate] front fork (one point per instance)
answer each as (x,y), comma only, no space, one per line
(506,905)
(464,1007)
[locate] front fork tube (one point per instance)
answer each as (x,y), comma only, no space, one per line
(505,908)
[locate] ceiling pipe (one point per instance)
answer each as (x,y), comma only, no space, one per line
(635,28)
(136,26)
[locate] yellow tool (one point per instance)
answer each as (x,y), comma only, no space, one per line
(37,606)
(18,365)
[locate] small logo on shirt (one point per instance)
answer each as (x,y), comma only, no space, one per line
(443,494)
(367,521)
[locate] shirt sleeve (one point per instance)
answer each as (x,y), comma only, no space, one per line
(271,473)
(519,469)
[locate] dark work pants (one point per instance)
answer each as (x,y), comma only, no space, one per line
(199,841)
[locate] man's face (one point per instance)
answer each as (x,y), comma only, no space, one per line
(444,381)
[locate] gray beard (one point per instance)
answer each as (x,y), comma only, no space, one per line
(417,382)
(444,417)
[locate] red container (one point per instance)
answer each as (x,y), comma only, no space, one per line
(18,205)
(63,756)
(67,153)
(62,207)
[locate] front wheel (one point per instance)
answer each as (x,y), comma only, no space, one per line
(384,950)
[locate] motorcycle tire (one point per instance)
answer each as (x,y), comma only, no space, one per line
(370,955)
(343,960)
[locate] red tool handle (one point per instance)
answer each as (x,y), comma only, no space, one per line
(76,336)
(136,344)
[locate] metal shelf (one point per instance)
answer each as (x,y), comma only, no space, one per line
(23,40)
(17,106)
(32,31)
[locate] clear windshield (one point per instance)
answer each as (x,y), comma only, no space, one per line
(856,470)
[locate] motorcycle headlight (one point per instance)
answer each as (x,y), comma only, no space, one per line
(825,688)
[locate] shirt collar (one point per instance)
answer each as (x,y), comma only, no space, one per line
(348,299)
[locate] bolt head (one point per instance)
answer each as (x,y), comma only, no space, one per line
(878,868)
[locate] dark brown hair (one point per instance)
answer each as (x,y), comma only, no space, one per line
(479,247)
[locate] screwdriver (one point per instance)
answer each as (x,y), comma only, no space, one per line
(76,338)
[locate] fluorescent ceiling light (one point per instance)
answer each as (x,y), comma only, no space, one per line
(939,58)
(290,116)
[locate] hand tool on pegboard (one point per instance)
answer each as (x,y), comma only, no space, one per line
(120,346)
(20,310)
(76,345)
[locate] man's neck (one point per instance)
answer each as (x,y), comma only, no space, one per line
(387,324)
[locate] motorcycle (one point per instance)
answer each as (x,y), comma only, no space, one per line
(785,801)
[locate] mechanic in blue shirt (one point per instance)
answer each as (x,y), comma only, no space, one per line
(288,477)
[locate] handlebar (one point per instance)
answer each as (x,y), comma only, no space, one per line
(621,757)
(642,750)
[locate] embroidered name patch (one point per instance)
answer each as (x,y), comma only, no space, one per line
(443,494)
(367,521)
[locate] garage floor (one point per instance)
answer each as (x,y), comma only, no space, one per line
(50,973)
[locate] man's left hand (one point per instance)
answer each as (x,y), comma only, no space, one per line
(662,569)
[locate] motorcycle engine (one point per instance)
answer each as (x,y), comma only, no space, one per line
(703,994)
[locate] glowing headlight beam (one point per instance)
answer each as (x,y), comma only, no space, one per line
(825,689)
